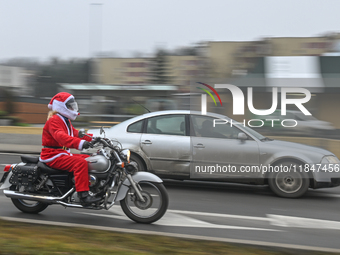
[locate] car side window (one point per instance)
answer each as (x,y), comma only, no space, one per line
(204,127)
(136,127)
(166,125)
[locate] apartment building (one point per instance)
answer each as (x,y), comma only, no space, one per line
(228,59)
(180,70)
(121,70)
(14,79)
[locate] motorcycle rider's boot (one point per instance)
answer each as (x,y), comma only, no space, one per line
(86,199)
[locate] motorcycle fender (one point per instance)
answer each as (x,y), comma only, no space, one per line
(137,177)
(6,184)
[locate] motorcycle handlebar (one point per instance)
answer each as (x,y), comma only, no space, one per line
(100,140)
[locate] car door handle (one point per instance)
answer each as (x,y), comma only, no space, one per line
(147,142)
(199,145)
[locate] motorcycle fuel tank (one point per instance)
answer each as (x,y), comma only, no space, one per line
(98,163)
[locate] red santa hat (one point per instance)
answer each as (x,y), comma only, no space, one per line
(58,103)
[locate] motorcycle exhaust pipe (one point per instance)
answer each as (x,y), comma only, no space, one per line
(34,197)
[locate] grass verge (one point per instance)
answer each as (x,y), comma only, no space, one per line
(22,238)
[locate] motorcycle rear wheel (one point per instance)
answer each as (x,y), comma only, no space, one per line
(26,206)
(155,205)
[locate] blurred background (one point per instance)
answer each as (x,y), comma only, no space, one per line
(117,58)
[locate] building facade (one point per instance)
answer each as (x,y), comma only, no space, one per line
(14,79)
(228,59)
(179,69)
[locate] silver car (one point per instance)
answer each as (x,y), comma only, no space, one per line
(189,146)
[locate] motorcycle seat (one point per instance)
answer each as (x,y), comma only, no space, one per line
(48,170)
(29,159)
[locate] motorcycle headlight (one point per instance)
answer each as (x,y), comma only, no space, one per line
(126,154)
(330,160)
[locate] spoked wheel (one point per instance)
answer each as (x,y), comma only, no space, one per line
(290,184)
(153,208)
(28,206)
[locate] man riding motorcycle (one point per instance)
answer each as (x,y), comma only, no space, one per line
(59,136)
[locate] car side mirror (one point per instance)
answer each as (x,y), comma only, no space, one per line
(242,136)
(81,133)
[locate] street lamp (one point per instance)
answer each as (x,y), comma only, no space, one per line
(95,28)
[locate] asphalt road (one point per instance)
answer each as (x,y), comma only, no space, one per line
(241,212)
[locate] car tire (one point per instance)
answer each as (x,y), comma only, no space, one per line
(140,163)
(291,183)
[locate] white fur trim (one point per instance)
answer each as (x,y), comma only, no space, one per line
(68,130)
(53,158)
(80,147)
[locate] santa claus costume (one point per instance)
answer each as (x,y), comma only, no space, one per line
(59,136)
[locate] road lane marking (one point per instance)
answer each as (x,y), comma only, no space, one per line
(273,219)
(220,215)
(194,237)
(176,220)
(300,222)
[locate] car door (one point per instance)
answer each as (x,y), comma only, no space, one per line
(167,144)
(218,153)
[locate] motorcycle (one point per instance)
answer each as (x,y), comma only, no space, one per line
(33,186)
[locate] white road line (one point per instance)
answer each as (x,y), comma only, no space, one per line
(275,220)
(194,237)
(272,219)
(300,222)
(220,215)
(176,220)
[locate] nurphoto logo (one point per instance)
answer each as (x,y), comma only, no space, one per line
(238,103)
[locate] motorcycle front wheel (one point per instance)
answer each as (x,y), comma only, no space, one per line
(156,201)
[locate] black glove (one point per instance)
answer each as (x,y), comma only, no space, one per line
(96,140)
(87,145)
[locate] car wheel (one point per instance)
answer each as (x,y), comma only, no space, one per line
(140,163)
(287,182)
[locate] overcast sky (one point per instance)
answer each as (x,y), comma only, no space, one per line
(77,28)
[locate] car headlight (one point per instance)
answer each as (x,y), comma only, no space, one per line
(126,154)
(330,160)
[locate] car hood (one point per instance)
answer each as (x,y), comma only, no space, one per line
(295,147)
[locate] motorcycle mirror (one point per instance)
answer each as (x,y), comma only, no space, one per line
(102,130)
(81,133)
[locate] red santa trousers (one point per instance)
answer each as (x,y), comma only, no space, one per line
(76,164)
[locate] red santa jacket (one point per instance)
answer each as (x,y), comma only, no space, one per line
(56,133)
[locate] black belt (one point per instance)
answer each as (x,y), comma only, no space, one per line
(53,147)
